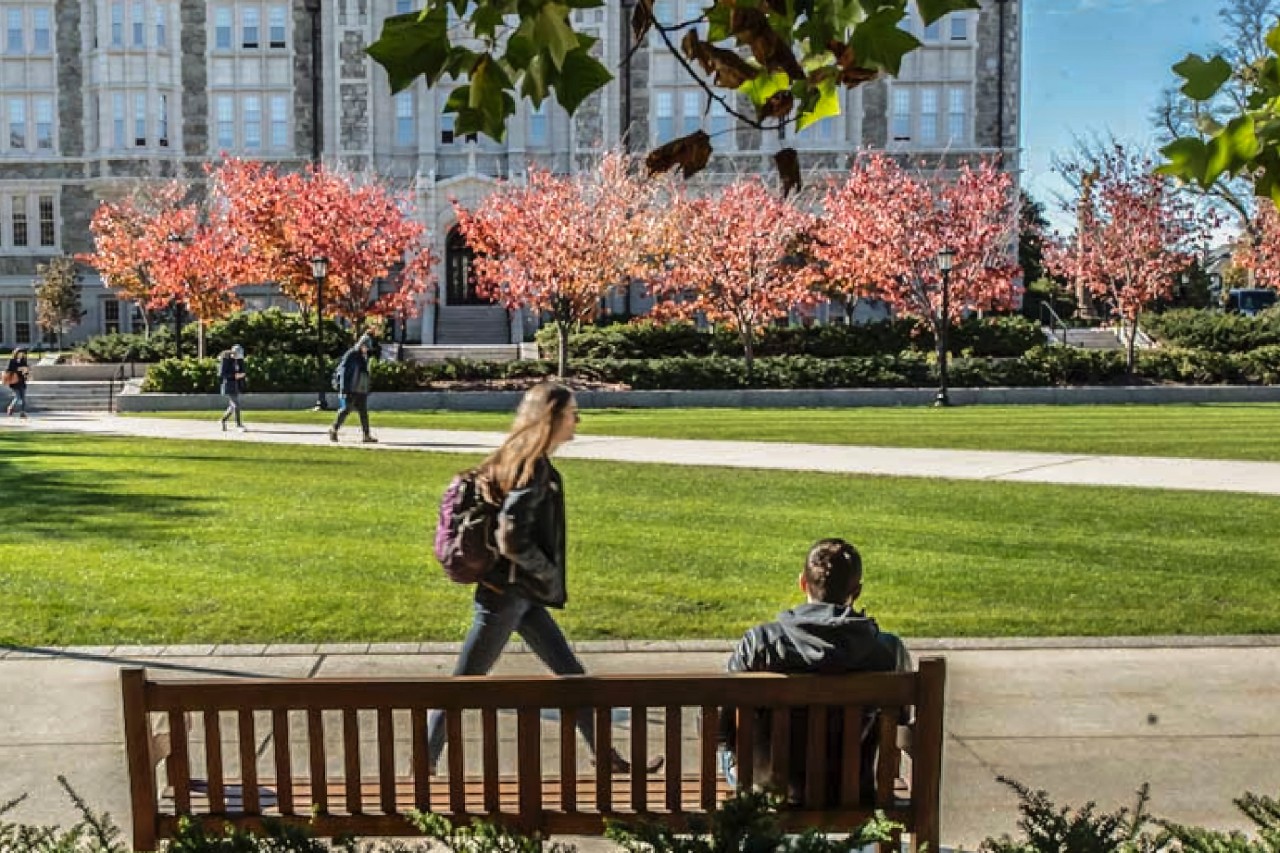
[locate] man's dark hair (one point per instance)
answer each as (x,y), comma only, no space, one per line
(832,571)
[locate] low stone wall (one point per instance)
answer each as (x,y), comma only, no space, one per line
(86,372)
(763,399)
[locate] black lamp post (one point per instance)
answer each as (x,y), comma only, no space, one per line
(946,259)
(319,271)
(176,306)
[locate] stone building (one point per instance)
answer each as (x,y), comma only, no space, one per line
(96,95)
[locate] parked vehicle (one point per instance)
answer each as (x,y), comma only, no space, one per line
(1250,301)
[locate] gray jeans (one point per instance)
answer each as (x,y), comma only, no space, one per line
(497,616)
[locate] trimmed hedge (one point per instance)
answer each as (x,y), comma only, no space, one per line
(261,333)
(1001,337)
(1041,366)
(1192,328)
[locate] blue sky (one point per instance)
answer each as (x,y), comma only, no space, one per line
(1098,66)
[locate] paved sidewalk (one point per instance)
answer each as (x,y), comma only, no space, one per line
(1194,717)
(1073,469)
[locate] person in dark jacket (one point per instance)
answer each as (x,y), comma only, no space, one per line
(353,389)
(231,378)
(529,576)
(17,372)
(823,635)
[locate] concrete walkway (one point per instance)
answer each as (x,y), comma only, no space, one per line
(1068,469)
(1193,717)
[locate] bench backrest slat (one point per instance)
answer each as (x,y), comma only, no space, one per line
(319,770)
(213,761)
(808,729)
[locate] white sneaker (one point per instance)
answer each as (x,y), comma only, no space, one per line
(242,429)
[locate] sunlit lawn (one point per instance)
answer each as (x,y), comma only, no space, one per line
(113,540)
(1226,431)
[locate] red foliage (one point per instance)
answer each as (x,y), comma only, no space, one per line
(281,220)
(559,243)
(1135,234)
(734,259)
(883,228)
(1259,251)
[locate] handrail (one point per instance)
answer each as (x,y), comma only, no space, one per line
(119,376)
(1055,322)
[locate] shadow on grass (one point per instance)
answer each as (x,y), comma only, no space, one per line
(70,504)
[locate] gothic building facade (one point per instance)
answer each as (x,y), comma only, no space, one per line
(97,95)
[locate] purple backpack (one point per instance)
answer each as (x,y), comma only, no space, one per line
(465,543)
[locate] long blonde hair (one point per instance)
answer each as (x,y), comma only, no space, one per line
(512,465)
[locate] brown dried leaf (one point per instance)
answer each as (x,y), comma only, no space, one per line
(730,69)
(751,27)
(641,20)
(690,153)
(788,163)
(778,105)
(851,73)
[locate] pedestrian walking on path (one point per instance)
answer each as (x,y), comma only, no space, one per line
(353,388)
(529,576)
(231,374)
(15,377)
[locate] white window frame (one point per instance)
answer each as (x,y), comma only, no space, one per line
(540,125)
(44,27)
(960,94)
(15,38)
(280,122)
(140,113)
(225,120)
(138,24)
(224,24)
(162,26)
(959,26)
(252,122)
(664,109)
(928,124)
(117,23)
(900,109)
(248,14)
(282,12)
(51,221)
(45,101)
(29,337)
(118,120)
(405,129)
(16,118)
(162,122)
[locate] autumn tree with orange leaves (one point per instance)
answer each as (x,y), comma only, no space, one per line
(281,220)
(884,227)
(558,244)
(735,261)
(1135,234)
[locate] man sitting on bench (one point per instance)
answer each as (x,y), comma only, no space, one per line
(823,635)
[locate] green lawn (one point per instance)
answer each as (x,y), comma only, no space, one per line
(112,540)
(1225,431)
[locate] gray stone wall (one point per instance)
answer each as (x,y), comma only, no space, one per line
(305,124)
(67,15)
(195,78)
(77,204)
(988,112)
(354,128)
(875,114)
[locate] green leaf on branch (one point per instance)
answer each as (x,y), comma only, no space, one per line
(411,46)
(551,31)
(765,86)
(879,43)
(826,104)
(580,75)
(1204,79)
(1187,160)
(932,10)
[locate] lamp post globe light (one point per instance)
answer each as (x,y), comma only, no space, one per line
(320,271)
(946,260)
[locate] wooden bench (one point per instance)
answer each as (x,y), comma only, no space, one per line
(349,756)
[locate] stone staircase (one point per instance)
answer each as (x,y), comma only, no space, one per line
(1086,338)
(472,325)
(471,352)
(69,395)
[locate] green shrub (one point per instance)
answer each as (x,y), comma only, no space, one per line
(1049,829)
(275,332)
(125,347)
(1191,328)
(1002,337)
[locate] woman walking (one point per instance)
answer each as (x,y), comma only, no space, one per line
(529,576)
(15,376)
(231,376)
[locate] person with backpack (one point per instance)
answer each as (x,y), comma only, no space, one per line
(523,573)
(15,377)
(231,376)
(352,377)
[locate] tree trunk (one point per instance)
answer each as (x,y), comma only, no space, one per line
(200,339)
(748,350)
(562,349)
(146,324)
(1131,344)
